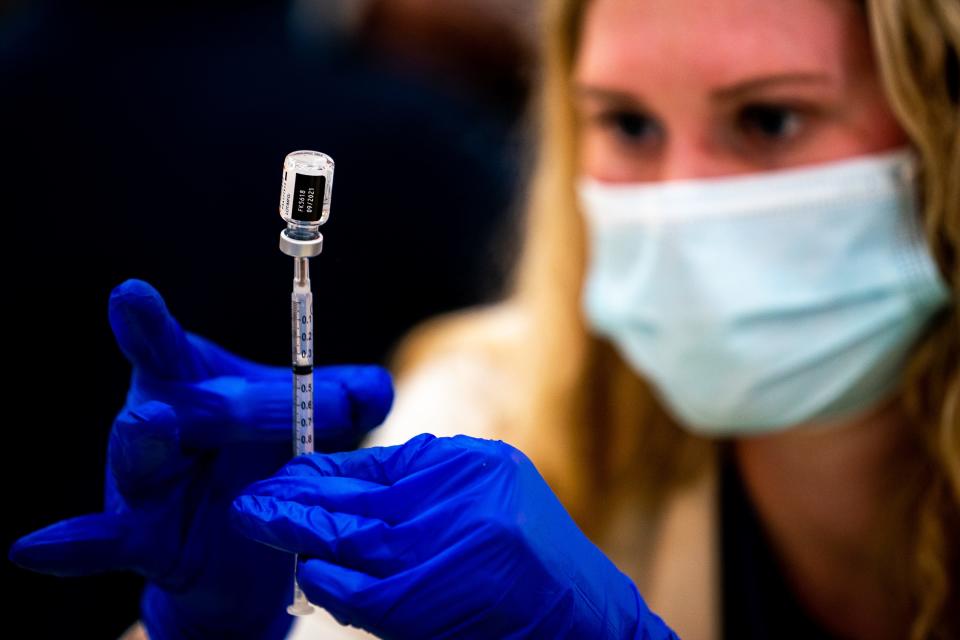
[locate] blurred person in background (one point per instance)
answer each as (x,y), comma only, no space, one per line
(489,45)
(721,399)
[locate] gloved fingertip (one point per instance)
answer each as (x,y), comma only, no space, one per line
(247,507)
(379,398)
(147,334)
(237,515)
(421,439)
(150,418)
(251,516)
(143,447)
(134,286)
(371,392)
(17,552)
(37,551)
(135,299)
(243,516)
(78,546)
(239,503)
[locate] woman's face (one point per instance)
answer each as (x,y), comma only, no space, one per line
(673,89)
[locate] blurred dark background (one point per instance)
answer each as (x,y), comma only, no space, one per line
(147,140)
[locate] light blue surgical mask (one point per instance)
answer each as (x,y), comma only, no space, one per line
(756,302)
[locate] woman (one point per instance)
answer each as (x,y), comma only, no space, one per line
(735,362)
(861,511)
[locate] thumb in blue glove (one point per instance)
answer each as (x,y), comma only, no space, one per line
(442,538)
(199,424)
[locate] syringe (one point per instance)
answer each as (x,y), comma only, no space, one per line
(304,205)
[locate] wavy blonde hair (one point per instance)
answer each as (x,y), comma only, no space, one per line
(593,427)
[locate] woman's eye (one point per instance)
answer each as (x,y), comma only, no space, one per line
(630,126)
(770,122)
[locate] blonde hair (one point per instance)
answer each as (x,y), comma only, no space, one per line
(592,426)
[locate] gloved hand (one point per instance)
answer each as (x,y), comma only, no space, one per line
(442,538)
(199,424)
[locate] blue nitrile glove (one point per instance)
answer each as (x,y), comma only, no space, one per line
(442,538)
(199,424)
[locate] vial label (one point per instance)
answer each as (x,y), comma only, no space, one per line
(303,199)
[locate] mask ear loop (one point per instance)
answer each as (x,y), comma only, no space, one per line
(923,279)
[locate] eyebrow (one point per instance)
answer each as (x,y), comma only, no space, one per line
(723,94)
(608,95)
(739,89)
